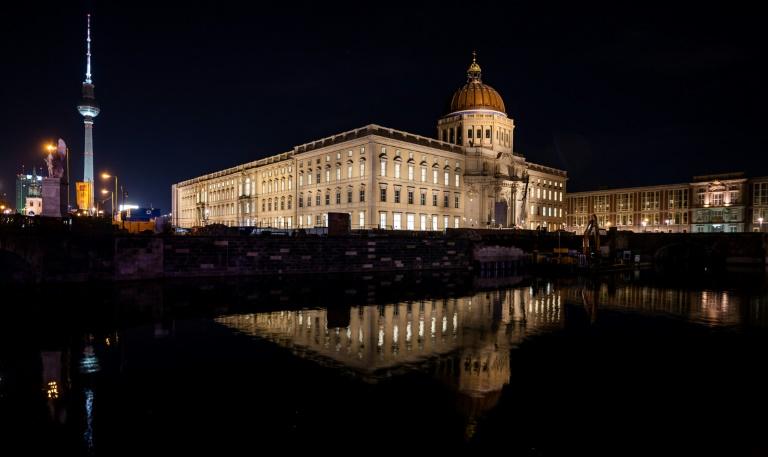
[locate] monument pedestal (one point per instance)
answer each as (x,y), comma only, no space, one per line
(54,197)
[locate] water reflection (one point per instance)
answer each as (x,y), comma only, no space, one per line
(464,342)
(715,308)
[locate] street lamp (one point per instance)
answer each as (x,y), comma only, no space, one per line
(105,175)
(111,198)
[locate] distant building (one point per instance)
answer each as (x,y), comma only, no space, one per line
(728,202)
(468,176)
(24,183)
(758,210)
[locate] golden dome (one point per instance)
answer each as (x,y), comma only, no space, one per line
(474,94)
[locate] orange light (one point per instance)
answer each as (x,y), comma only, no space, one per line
(104,191)
(50,147)
(105,176)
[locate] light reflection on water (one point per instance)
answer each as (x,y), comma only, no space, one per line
(466,343)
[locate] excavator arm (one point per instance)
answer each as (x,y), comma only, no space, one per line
(591,237)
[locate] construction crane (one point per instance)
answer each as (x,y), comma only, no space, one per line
(591,240)
(524,206)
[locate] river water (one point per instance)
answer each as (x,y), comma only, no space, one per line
(631,364)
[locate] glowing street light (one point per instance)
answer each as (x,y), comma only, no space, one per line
(760,221)
(105,175)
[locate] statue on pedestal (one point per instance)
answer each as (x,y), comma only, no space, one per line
(57,161)
(54,189)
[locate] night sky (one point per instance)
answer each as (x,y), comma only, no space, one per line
(617,97)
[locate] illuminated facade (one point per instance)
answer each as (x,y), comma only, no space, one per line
(709,203)
(28,193)
(758,210)
(469,176)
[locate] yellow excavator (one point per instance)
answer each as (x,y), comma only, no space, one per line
(591,239)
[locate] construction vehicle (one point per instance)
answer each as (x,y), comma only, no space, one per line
(524,199)
(591,239)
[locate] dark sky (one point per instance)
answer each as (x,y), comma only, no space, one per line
(616,95)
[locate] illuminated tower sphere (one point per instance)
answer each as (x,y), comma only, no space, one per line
(88,109)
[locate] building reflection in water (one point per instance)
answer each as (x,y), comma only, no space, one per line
(464,341)
(56,382)
(702,306)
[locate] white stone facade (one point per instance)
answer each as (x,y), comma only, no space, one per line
(389,179)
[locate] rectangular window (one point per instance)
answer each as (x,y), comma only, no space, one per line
(317,199)
(338,173)
(488,133)
(434,176)
(383,195)
(397,170)
(717,199)
(317,177)
(445,201)
(301,201)
(601,204)
(349,196)
(445,222)
(423,174)
(434,199)
(410,172)
(362,195)
(397,195)
(361,219)
(456,179)
(423,199)
(434,222)
(301,180)
(410,197)
(382,220)
(456,201)
(479,134)
(383,168)
(760,194)
(446,178)
(423,222)
(410,221)
(469,133)
(397,221)
(456,222)
(327,199)
(338,198)
(362,169)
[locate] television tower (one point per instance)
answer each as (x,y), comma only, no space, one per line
(88,109)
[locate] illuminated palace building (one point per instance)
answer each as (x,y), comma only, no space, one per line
(469,176)
(728,202)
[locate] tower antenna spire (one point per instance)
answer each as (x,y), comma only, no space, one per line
(88,52)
